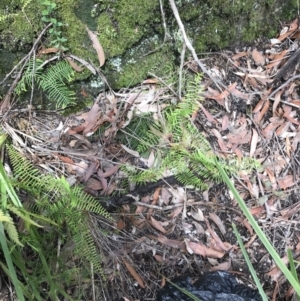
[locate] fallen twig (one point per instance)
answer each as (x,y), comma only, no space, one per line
(189,45)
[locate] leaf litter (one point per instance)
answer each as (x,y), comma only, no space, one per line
(177,230)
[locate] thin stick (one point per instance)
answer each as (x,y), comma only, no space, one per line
(93,282)
(166,36)
(181,68)
(189,45)
(283,85)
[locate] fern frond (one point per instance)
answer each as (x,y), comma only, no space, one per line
(32,71)
(179,146)
(24,172)
(25,3)
(11,230)
(24,216)
(85,248)
(53,82)
(5,218)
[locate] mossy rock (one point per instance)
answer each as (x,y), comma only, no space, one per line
(129,31)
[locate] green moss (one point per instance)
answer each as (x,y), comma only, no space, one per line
(158,63)
(18,31)
(220,23)
(128,31)
(125,24)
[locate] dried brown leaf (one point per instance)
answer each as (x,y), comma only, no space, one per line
(254,142)
(131,151)
(277,59)
(262,113)
(289,114)
(258,106)
(286,182)
(218,222)
(276,102)
(239,55)
(97,46)
(134,274)
(151,81)
(258,58)
(168,242)
(249,243)
(242,138)
(296,140)
(268,131)
(200,249)
(176,212)
(74,65)
(225,123)
(224,266)
(93,184)
(157,225)
(159,258)
(165,195)
(48,50)
(217,239)
(197,215)
(209,117)
(199,228)
(271,175)
(288,146)
(220,140)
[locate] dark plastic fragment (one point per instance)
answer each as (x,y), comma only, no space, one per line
(211,286)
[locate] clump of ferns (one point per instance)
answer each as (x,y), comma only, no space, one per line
(53,79)
(178,146)
(67,207)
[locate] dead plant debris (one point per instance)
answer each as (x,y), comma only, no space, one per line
(173,230)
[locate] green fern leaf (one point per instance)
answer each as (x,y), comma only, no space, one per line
(12,231)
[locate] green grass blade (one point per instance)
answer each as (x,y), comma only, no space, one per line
(184,291)
(249,264)
(4,180)
(12,271)
(292,267)
(259,232)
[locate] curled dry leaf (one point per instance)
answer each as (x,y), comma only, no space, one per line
(249,243)
(248,226)
(197,215)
